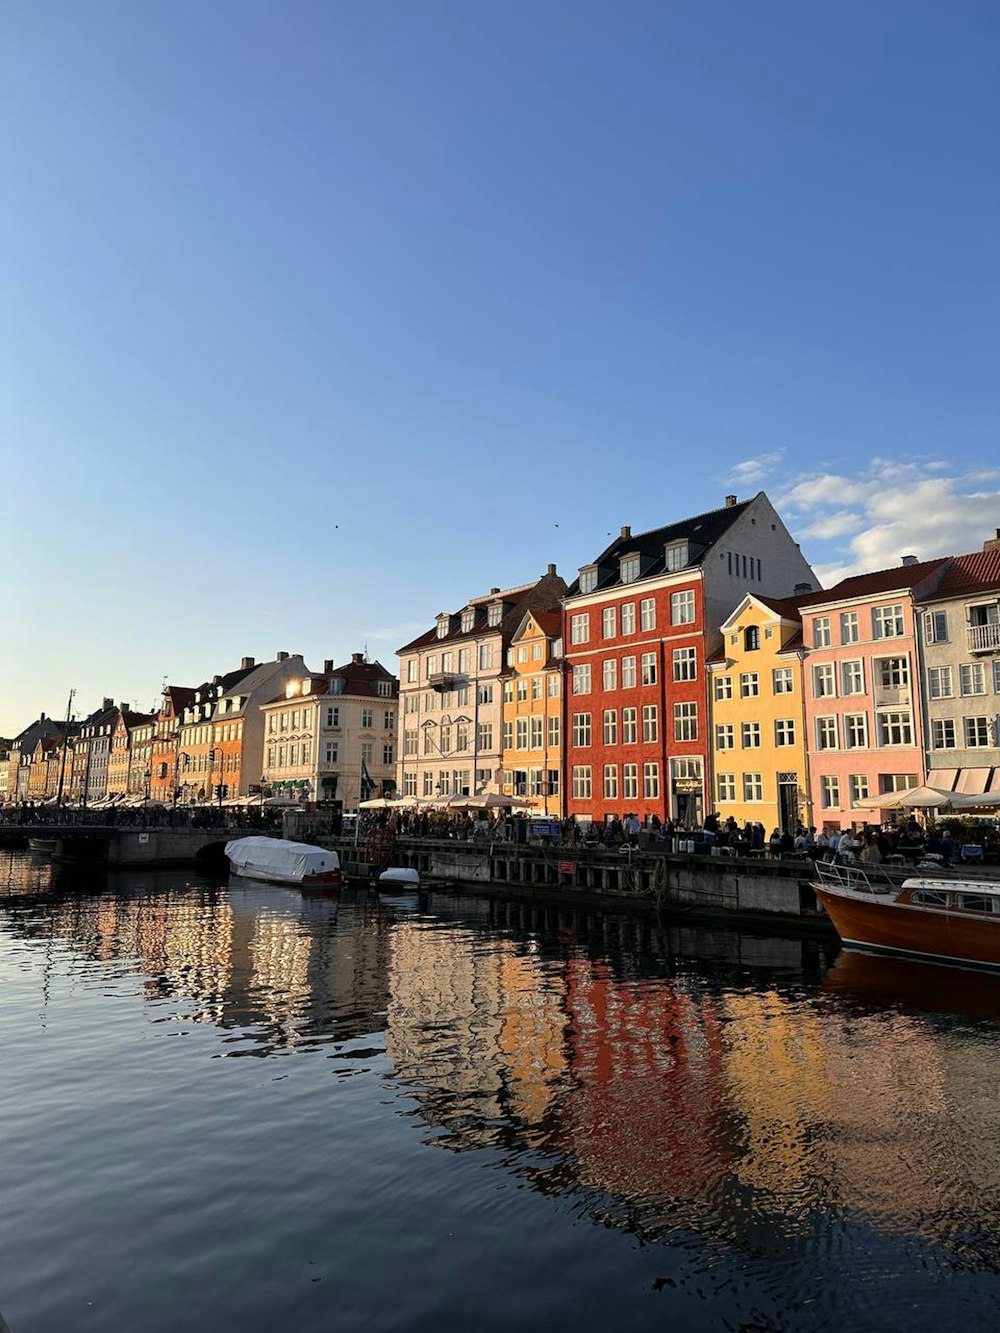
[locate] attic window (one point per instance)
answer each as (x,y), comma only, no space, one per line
(468,620)
(676,555)
(588,579)
(306,686)
(629,568)
(495,614)
(442,626)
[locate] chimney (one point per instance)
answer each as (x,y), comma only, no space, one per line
(357,657)
(801,588)
(730,501)
(494,591)
(246,663)
(216,680)
(41,717)
(107,705)
(327,666)
(282,657)
(910,560)
(551,571)
(992,543)
(626,532)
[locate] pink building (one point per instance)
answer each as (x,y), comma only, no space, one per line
(864,729)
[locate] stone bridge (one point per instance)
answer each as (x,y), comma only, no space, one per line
(99,844)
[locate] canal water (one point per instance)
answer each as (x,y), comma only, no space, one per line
(226,1106)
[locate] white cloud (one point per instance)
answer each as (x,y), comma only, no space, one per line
(894,508)
(752,470)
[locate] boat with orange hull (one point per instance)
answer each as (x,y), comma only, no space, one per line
(940,920)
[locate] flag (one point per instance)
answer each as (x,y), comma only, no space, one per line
(367,782)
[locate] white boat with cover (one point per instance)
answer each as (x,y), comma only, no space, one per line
(282,862)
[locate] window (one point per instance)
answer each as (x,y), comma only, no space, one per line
(409,784)
(723,688)
(461,735)
(630,781)
(784,732)
(977,731)
(750,735)
(628,618)
(610,729)
(431,665)
(782,680)
(975,902)
(412,667)
(536,731)
(579,630)
(824,681)
(508,691)
(856,731)
(648,665)
(536,687)
(685,722)
(893,782)
(629,568)
(553,686)
(537,652)
(387,754)
(894,728)
(753,787)
(887,622)
(522,690)
(726,786)
(996,675)
(724,737)
(650,722)
(826,733)
(388,720)
(367,749)
(972,678)
(332,717)
(409,743)
(553,730)
(829,793)
(939,682)
(581,678)
(520,733)
(485,657)
(588,579)
(821,631)
(943,734)
(428,784)
(581,729)
(522,652)
(647,613)
(892,672)
(581,782)
(675,556)
(935,627)
(751,639)
(468,620)
(682,608)
(629,725)
(508,735)
(686,665)
(852,677)
(553,780)
(931,897)
(609,674)
(367,718)
(611,782)
(484,694)
(628,672)
(444,738)
(749,685)
(609,619)
(859,787)
(651,781)
(850,630)
(494,614)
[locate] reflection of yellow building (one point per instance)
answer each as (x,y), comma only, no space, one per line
(758,719)
(531,744)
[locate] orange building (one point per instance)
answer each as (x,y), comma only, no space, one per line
(164,752)
(531,744)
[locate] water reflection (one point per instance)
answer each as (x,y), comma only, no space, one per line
(675,1082)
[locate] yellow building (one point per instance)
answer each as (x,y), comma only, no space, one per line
(531,743)
(758,720)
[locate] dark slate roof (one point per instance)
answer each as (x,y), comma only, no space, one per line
(362,677)
(897,579)
(545,595)
(701,530)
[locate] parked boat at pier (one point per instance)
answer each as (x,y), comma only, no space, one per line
(282,862)
(938,919)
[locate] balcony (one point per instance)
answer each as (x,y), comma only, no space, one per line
(443,680)
(892,696)
(984,638)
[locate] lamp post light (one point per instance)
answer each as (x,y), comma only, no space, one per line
(145,795)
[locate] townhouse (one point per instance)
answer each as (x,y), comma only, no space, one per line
(236,757)
(120,758)
(531,738)
(162,783)
(195,741)
(450,691)
(640,623)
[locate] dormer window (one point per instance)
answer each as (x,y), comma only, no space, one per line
(494,614)
(751,639)
(442,626)
(676,555)
(588,578)
(629,568)
(468,620)
(306,686)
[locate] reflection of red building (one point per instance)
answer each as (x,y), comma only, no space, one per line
(647,1069)
(639,624)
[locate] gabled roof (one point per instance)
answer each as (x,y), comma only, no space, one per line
(701,530)
(785,607)
(549,622)
(544,595)
(362,677)
(900,578)
(969,575)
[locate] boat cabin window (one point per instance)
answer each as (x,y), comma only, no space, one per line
(975,902)
(930,897)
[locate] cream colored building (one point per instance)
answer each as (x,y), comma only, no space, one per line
(451,692)
(332,737)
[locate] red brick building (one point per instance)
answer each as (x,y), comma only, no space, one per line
(639,624)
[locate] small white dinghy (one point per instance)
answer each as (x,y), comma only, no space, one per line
(401,875)
(282,862)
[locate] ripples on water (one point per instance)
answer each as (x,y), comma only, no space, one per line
(229,1106)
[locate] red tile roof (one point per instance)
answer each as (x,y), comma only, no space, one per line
(896,579)
(970,574)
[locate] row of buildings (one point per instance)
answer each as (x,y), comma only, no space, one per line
(698,666)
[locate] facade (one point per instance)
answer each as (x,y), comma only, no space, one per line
(531,739)
(757,708)
(332,737)
(960,674)
(6,743)
(140,758)
(864,725)
(196,736)
(639,625)
(237,752)
(451,692)
(120,758)
(165,754)
(20,752)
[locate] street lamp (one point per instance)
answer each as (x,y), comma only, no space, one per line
(145,798)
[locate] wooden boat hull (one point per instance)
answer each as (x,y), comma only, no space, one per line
(940,936)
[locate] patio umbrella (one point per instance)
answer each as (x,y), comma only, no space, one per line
(985,801)
(913,798)
(286,801)
(376,803)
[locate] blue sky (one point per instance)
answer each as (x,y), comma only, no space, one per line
(323,317)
